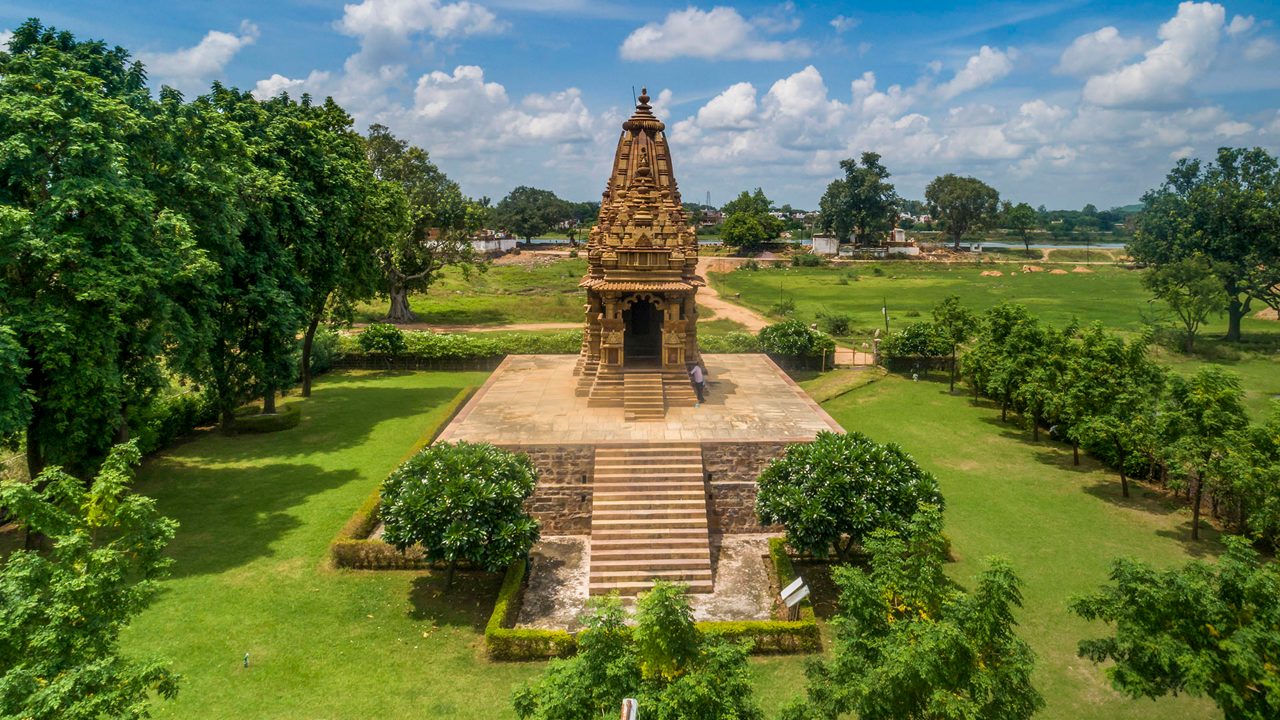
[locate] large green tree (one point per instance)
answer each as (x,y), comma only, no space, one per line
(529,212)
(1204,414)
(832,493)
(1227,211)
(954,324)
(1191,289)
(1020,218)
(430,229)
(910,644)
(1206,630)
(88,257)
(747,223)
(62,610)
(863,202)
(962,204)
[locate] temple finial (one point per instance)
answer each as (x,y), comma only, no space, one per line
(644,98)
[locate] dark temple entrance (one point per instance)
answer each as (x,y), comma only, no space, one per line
(642,340)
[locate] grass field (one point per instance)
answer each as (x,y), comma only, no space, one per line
(502,295)
(257,513)
(1057,524)
(1111,295)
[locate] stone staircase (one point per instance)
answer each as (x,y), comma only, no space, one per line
(649,519)
(643,397)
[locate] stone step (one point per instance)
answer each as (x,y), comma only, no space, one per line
(602,554)
(649,522)
(630,544)
(650,573)
(622,503)
(656,463)
(688,564)
(625,532)
(620,474)
(696,587)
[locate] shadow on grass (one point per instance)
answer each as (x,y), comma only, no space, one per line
(231,516)
(469,603)
(1209,546)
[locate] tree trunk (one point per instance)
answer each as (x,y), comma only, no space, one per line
(1075,452)
(400,312)
(35,455)
(228,421)
(1035,429)
(1124,481)
(953,369)
(1004,410)
(269,402)
(1195,508)
(1235,311)
(448,576)
(307,341)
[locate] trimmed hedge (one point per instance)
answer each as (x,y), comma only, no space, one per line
(768,637)
(169,417)
(429,345)
(502,641)
(353,548)
(285,417)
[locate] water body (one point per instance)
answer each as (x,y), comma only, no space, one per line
(1018,246)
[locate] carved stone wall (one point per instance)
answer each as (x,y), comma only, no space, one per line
(562,500)
(733,469)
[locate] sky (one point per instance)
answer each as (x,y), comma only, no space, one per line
(1055,103)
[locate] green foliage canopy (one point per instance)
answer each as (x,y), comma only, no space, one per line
(832,493)
(793,338)
(863,201)
(962,204)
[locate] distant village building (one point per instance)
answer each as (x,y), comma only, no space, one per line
(826,244)
(489,242)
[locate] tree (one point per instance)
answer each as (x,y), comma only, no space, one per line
(1191,289)
(1005,350)
(1207,630)
(955,324)
(1229,212)
(462,502)
(793,338)
(962,204)
(1204,413)
(530,212)
(1253,473)
(673,672)
(433,228)
(62,612)
(1020,218)
(87,255)
(911,644)
(748,225)
(862,201)
(832,493)
(1111,397)
(915,340)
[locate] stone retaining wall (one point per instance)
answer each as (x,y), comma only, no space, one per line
(562,500)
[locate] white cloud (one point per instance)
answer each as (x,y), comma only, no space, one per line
(1189,44)
(191,69)
(734,108)
(1260,49)
(5,36)
(1240,24)
(844,24)
(989,65)
(405,17)
(718,34)
(1232,128)
(778,19)
(1097,52)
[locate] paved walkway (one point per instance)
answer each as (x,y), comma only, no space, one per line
(529,400)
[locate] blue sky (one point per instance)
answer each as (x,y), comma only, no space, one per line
(1060,103)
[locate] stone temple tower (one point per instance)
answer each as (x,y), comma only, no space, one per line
(641,282)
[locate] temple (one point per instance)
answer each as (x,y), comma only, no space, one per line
(641,281)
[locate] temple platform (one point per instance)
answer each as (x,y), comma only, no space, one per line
(529,400)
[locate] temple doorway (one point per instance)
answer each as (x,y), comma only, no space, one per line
(642,339)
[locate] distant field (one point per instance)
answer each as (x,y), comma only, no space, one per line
(1111,295)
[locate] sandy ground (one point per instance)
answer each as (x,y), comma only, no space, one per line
(557,591)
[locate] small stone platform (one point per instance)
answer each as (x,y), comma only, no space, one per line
(529,400)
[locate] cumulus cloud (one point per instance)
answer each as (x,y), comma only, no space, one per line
(1260,49)
(1240,24)
(405,17)
(1097,52)
(844,24)
(191,69)
(1189,43)
(989,65)
(733,108)
(717,34)
(5,36)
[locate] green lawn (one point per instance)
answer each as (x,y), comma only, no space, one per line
(1057,524)
(257,513)
(502,295)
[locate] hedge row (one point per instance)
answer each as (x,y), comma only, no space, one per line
(353,548)
(468,346)
(251,421)
(503,641)
(768,637)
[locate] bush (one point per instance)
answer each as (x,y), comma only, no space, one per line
(835,323)
(251,421)
(731,342)
(382,339)
(324,348)
(805,258)
(462,502)
(835,491)
(877,271)
(750,265)
(785,306)
(169,417)
(919,339)
(795,339)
